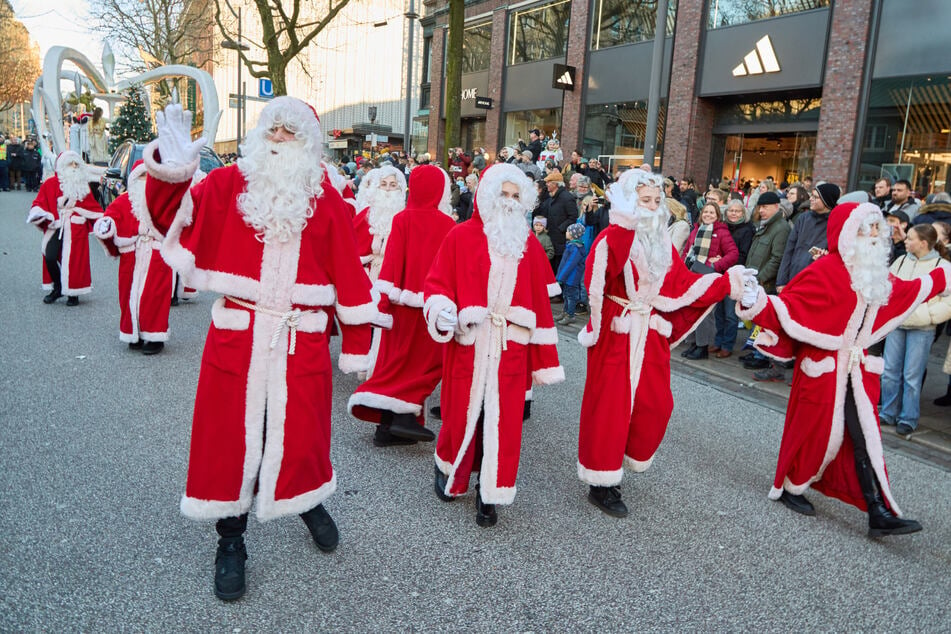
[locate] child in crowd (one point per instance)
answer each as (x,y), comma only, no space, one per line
(540,227)
(571,272)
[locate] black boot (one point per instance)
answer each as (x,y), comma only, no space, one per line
(73,300)
(881,521)
(136,345)
(229,568)
(322,528)
(608,499)
(941,401)
(383,438)
(152,347)
(797,503)
(689,350)
(698,352)
(436,412)
(440,486)
(52,296)
(404,426)
(527,410)
(486,515)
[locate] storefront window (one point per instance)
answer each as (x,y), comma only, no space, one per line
(618,22)
(782,111)
(476,48)
(753,157)
(616,132)
(908,133)
(731,12)
(539,33)
(517,124)
(420,134)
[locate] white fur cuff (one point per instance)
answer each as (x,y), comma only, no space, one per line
(747,314)
(735,274)
(38,215)
(350,363)
(167,173)
(357,315)
(548,376)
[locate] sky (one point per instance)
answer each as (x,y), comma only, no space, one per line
(60,23)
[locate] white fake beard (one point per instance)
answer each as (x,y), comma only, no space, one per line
(505,227)
(73,182)
(282,183)
(868,268)
(651,236)
(383,207)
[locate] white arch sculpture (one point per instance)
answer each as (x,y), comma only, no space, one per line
(47,97)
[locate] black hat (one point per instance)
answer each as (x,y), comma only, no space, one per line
(829,193)
(536,131)
(768,198)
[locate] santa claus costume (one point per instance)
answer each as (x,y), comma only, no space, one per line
(382,195)
(273,235)
(826,317)
(145,280)
(643,302)
(487,296)
(65,210)
(408,365)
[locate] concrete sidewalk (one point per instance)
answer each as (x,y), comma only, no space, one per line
(930,442)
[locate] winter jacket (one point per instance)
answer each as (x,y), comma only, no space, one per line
(935,212)
(571,269)
(679,231)
(562,213)
(545,239)
(722,244)
(31,161)
(766,250)
(742,234)
(935,311)
(808,230)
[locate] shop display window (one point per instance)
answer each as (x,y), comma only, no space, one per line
(539,33)
(732,12)
(617,22)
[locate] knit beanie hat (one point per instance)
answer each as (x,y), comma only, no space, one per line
(829,193)
(576,230)
(540,220)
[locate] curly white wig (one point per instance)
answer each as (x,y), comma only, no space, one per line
(490,185)
(371,181)
(295,115)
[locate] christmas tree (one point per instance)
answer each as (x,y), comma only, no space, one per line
(132,122)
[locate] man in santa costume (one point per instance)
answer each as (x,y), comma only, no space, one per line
(273,235)
(408,364)
(145,280)
(65,210)
(826,317)
(382,195)
(644,301)
(487,296)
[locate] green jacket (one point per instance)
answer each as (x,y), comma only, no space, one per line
(766,251)
(545,239)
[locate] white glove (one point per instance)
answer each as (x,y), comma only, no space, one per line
(750,293)
(174,136)
(446,320)
(749,275)
(103,227)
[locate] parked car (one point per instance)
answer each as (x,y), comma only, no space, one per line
(114,180)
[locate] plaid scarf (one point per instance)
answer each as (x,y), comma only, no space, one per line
(701,243)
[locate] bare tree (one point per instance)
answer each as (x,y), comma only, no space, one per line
(287,27)
(19,59)
(146,33)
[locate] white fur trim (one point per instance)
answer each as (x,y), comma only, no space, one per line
(875,365)
(736,281)
(266,509)
(548,376)
(411,299)
(890,325)
(692,294)
(638,466)
(196,509)
(554,289)
(431,309)
(621,219)
(229,318)
(314,294)
(747,314)
(384,321)
(545,336)
(383,286)
(774,493)
(100,233)
(600,478)
(382,401)
(498,495)
(356,315)
(802,333)
(39,215)
(350,363)
(595,295)
(766,338)
(815,369)
(166,173)
(521,316)
(663,327)
(153,336)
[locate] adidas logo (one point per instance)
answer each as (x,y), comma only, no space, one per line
(761,59)
(565,80)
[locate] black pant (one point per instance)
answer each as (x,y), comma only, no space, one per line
(53,249)
(32,179)
(853,425)
(234,526)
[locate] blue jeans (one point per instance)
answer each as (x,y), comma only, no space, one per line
(906,357)
(572,297)
(727,322)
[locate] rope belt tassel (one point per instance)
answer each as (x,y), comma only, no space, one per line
(290,320)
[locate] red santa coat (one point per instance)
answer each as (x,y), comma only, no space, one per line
(505,324)
(145,280)
(827,327)
(634,323)
(51,213)
(270,363)
(409,363)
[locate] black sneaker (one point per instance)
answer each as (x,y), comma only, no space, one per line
(72,301)
(322,528)
(52,297)
(153,347)
(608,499)
(797,503)
(229,568)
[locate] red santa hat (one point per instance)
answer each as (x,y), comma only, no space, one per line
(297,116)
(490,185)
(426,186)
(846,219)
(83,117)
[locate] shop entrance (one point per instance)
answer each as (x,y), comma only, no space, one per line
(473,134)
(786,156)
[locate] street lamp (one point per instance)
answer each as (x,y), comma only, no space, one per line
(411,17)
(237,46)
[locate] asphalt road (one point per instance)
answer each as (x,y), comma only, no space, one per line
(94,440)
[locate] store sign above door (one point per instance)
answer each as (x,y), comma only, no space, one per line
(563,77)
(483,102)
(761,59)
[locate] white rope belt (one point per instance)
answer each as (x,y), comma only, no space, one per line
(500,322)
(629,306)
(856,355)
(290,320)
